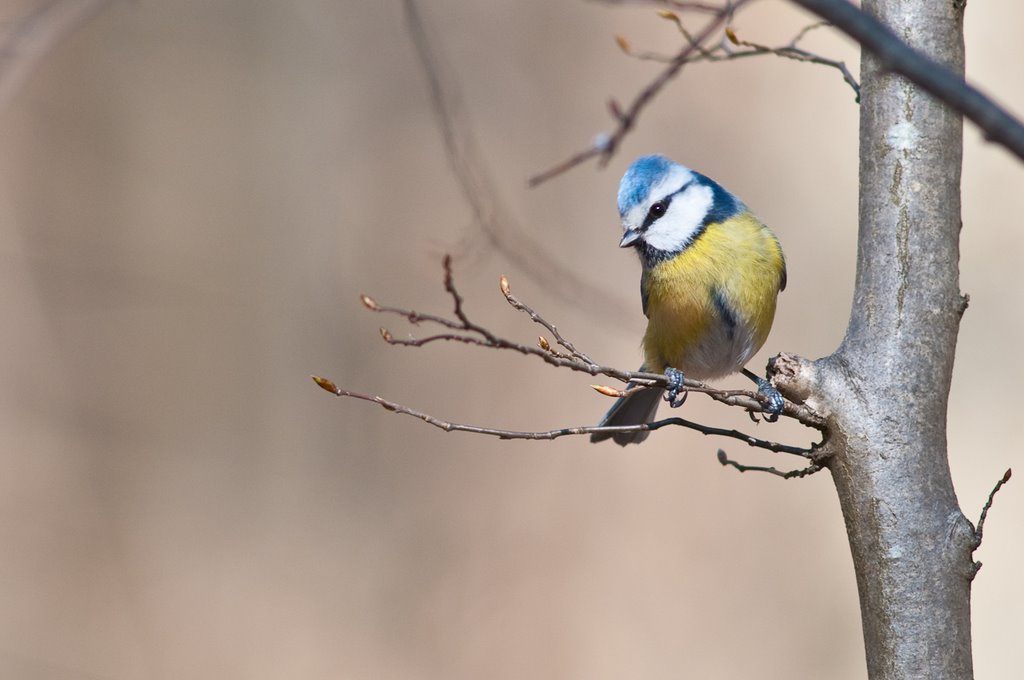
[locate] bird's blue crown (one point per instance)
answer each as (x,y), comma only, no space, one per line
(647,171)
(639,178)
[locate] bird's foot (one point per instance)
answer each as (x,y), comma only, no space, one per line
(772,400)
(774,403)
(676,387)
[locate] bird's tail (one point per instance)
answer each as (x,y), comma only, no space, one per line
(631,410)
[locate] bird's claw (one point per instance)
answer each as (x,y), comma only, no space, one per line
(675,387)
(774,402)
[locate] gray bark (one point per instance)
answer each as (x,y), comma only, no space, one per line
(885,389)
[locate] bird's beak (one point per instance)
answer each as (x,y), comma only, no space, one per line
(629,238)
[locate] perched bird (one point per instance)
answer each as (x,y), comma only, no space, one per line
(711,275)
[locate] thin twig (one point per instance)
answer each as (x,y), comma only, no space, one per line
(788,474)
(474,334)
(516,303)
(604,146)
(469,332)
(756,442)
(807,29)
(448,426)
(412,316)
(723,52)
(677,5)
(988,505)
(995,122)
(674,18)
(792,51)
(694,51)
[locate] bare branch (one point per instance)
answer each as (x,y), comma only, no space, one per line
(598,146)
(792,51)
(895,55)
(988,505)
(677,5)
(604,147)
(723,51)
(464,330)
(448,426)
(708,430)
(995,122)
(471,333)
(445,425)
(413,317)
(790,474)
(506,290)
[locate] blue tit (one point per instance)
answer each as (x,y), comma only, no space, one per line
(711,275)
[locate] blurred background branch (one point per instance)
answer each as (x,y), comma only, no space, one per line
(604,145)
(493,229)
(25,40)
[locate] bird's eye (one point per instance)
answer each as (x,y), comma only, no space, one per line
(658,209)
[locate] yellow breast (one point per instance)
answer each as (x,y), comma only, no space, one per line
(711,307)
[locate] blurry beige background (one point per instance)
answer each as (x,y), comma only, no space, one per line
(192,196)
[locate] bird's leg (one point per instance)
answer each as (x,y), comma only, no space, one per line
(675,386)
(774,401)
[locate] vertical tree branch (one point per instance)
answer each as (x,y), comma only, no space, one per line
(887,385)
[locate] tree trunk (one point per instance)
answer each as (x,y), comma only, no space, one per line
(885,389)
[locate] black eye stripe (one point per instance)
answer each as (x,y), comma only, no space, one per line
(661,207)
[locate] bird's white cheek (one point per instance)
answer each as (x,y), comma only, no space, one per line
(677,227)
(662,238)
